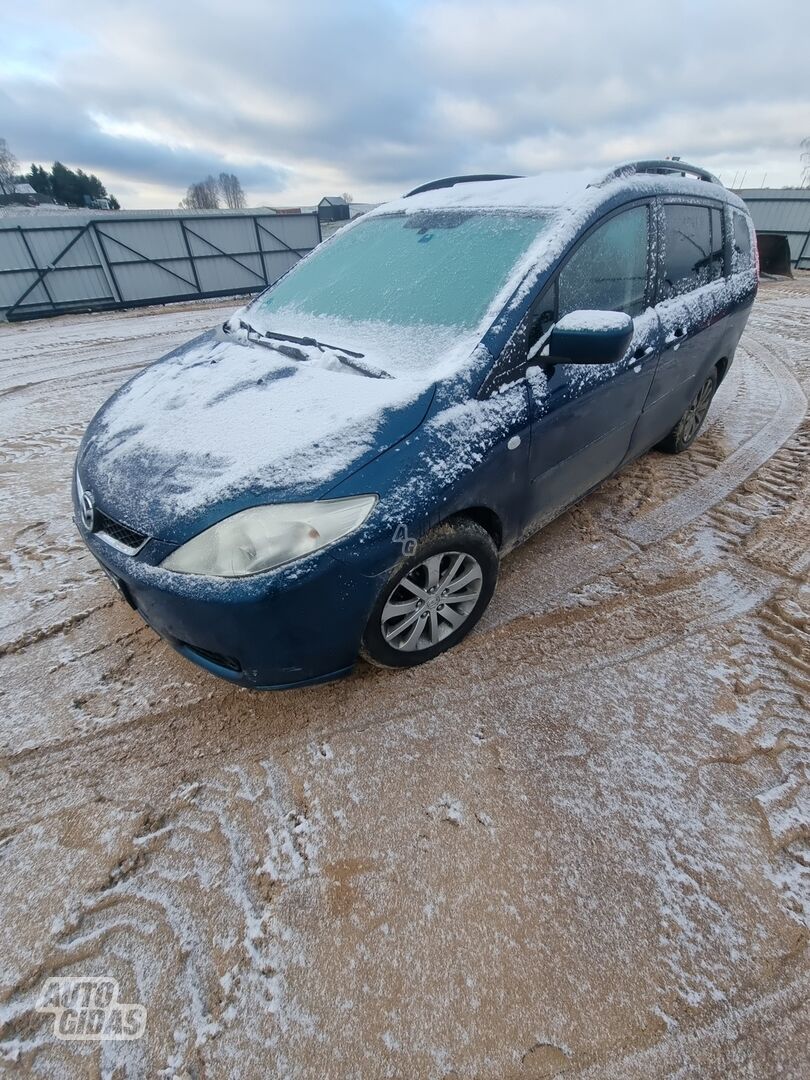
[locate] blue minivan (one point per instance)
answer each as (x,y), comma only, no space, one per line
(337,470)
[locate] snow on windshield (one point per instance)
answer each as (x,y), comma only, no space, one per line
(434,273)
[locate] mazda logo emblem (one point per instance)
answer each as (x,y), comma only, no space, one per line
(88,511)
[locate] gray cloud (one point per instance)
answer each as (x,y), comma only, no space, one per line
(306,97)
(68,135)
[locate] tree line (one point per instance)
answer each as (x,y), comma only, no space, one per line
(214,192)
(59,183)
(67,186)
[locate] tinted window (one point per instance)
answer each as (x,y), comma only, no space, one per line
(608,271)
(687,248)
(741,249)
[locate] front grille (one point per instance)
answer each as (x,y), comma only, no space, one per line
(122,534)
(214,658)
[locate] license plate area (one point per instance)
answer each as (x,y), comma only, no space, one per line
(119,587)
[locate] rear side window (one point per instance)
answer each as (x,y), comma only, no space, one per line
(741,248)
(608,271)
(689,256)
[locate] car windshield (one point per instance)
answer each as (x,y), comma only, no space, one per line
(429,268)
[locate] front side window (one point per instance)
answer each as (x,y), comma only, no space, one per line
(688,259)
(437,268)
(742,247)
(542,315)
(608,271)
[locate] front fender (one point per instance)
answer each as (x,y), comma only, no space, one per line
(458,459)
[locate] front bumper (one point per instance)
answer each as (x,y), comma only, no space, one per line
(295,626)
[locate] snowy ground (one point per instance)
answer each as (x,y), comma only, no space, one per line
(577,844)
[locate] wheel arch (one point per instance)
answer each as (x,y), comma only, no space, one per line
(721,367)
(483,516)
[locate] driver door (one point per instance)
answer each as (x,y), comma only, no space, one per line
(582,415)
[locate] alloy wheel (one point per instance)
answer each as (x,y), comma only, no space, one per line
(431,601)
(696,413)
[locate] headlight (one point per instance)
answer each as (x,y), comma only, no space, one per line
(266,536)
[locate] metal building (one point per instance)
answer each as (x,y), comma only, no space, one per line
(333,208)
(782,220)
(51,263)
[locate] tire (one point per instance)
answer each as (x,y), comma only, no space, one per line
(688,427)
(415,619)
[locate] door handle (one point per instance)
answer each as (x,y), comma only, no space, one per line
(642,351)
(679,331)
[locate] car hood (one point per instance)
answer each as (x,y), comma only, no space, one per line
(216,426)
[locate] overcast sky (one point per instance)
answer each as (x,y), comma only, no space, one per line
(303,99)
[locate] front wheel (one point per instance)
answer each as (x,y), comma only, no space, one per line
(434,597)
(686,430)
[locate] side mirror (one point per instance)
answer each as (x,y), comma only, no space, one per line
(590,337)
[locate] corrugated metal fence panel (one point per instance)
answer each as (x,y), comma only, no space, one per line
(147,259)
(284,231)
(226,250)
(20,270)
(785,212)
(88,262)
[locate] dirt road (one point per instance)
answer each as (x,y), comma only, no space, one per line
(578,844)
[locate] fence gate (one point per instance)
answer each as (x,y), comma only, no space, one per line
(61,263)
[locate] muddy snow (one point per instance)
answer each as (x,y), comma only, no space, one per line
(578,844)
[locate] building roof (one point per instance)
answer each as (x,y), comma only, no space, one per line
(779,209)
(333,200)
(785,212)
(783,194)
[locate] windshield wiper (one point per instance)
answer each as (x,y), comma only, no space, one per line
(274,336)
(268,337)
(365,369)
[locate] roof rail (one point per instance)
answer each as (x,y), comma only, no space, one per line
(663,167)
(451,181)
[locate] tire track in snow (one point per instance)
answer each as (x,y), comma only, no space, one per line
(690,505)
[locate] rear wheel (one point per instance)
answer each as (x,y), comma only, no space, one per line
(686,430)
(434,597)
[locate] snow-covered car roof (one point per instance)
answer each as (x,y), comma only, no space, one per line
(564,190)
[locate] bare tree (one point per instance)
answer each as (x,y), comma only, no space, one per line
(347,198)
(231,190)
(805,144)
(8,169)
(203,195)
(212,192)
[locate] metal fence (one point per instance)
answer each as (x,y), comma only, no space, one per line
(85,262)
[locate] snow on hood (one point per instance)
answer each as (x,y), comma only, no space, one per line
(216,422)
